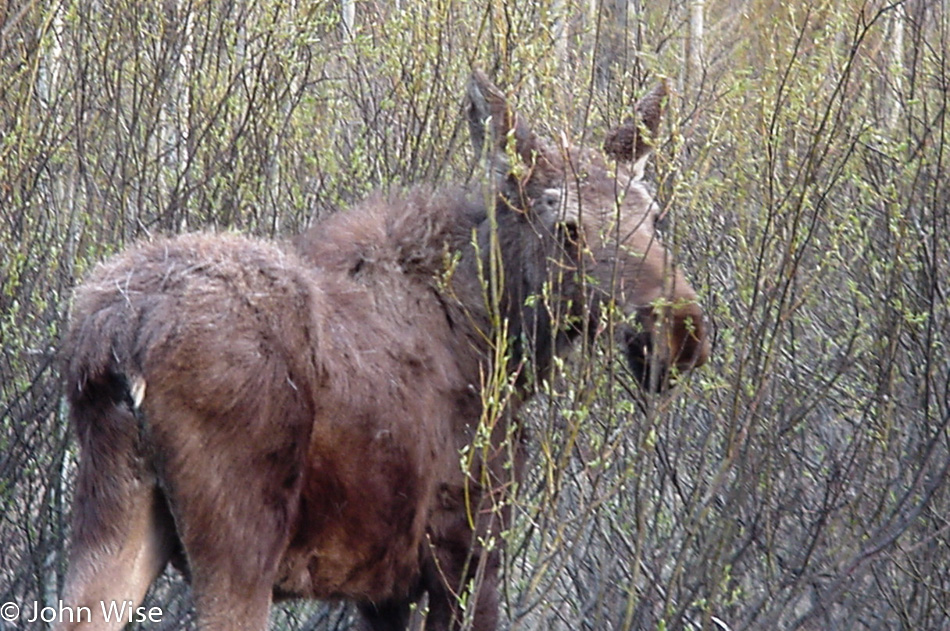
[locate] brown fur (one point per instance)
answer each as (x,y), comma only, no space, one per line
(287,420)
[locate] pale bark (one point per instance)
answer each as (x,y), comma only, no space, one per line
(561,30)
(895,61)
(175,113)
(348,16)
(694,45)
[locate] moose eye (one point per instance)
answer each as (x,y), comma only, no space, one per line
(549,200)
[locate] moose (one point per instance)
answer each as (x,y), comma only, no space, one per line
(297,419)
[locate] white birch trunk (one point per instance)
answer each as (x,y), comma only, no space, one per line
(348,17)
(50,70)
(895,63)
(53,67)
(561,30)
(184,72)
(694,45)
(273,171)
(175,113)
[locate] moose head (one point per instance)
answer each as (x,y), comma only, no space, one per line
(603,221)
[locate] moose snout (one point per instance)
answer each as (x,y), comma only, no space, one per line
(689,342)
(649,370)
(664,339)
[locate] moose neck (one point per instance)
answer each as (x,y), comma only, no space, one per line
(530,304)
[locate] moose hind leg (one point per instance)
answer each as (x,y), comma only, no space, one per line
(233,541)
(234,502)
(113,564)
(122,535)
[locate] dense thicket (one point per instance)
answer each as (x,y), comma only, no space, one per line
(798,481)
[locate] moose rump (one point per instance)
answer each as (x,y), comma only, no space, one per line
(258,422)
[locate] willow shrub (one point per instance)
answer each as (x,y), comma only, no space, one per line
(798,481)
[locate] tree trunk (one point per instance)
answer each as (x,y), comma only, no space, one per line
(895,62)
(348,17)
(694,46)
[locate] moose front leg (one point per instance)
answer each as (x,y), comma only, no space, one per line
(461,569)
(392,615)
(463,590)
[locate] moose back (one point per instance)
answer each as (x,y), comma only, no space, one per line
(286,420)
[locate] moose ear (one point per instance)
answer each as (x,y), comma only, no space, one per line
(633,141)
(488,114)
(492,120)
